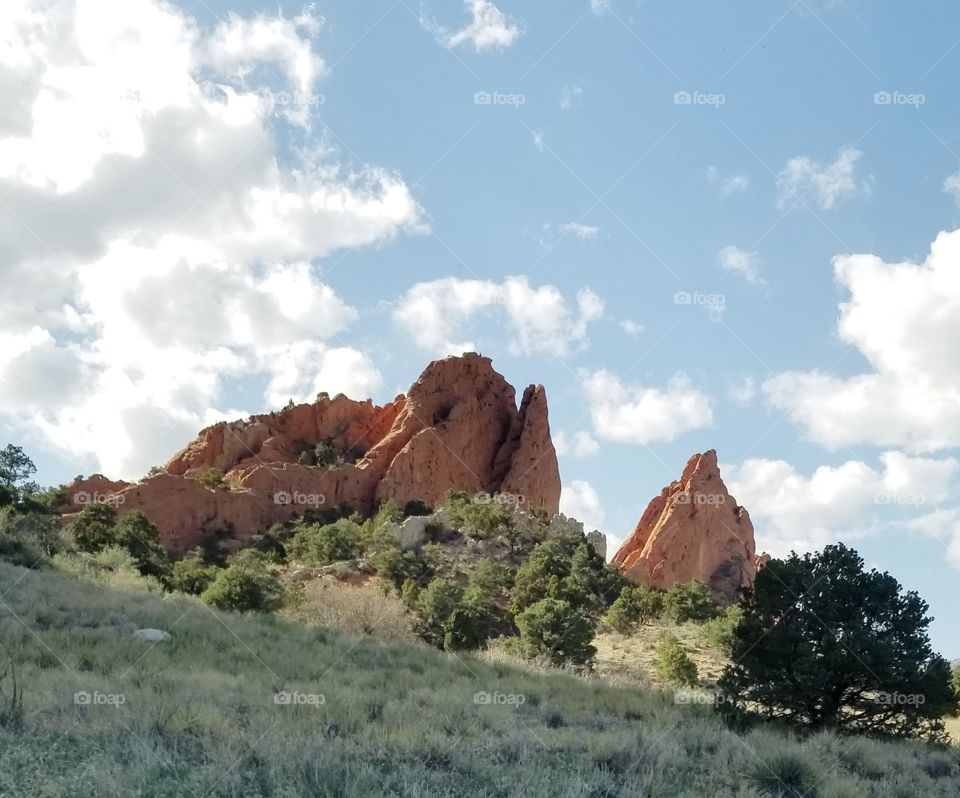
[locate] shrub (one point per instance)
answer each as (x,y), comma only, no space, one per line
(672,663)
(325,455)
(244,586)
(634,606)
(11,699)
(28,539)
(355,610)
(137,535)
(435,604)
(307,459)
(721,631)
(416,507)
(191,574)
(691,601)
(554,630)
(825,657)
(786,774)
(16,468)
(212,478)
(325,544)
(94,528)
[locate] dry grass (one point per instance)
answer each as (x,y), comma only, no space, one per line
(353,609)
(633,656)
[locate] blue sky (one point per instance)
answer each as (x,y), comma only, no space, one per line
(699,225)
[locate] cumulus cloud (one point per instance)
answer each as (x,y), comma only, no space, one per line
(904,319)
(952,186)
(731,184)
(539,320)
(793,511)
(569,95)
(580,444)
(743,390)
(826,185)
(154,246)
(636,413)
(584,232)
(743,264)
(630,327)
(599,6)
(489,28)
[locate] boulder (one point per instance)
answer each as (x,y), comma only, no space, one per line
(151,635)
(694,530)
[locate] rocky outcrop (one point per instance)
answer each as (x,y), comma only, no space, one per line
(459,428)
(693,530)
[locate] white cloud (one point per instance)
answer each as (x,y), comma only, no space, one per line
(904,318)
(569,95)
(941,524)
(539,320)
(743,391)
(489,28)
(580,500)
(584,232)
(792,511)
(155,248)
(634,413)
(744,264)
(804,180)
(952,186)
(581,444)
(732,184)
(599,6)
(631,327)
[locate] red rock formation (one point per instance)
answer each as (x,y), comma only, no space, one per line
(693,530)
(458,428)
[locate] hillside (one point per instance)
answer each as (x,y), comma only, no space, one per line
(197,715)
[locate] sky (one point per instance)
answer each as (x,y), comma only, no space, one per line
(699,225)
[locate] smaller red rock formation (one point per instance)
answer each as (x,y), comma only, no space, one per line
(694,530)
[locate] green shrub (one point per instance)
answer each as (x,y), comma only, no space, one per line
(325,544)
(785,774)
(672,663)
(416,507)
(212,478)
(94,528)
(137,535)
(244,586)
(435,604)
(554,630)
(635,605)
(690,601)
(28,538)
(721,631)
(191,574)
(325,455)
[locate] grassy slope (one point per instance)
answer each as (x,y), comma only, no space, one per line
(199,716)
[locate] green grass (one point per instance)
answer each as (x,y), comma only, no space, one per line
(198,716)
